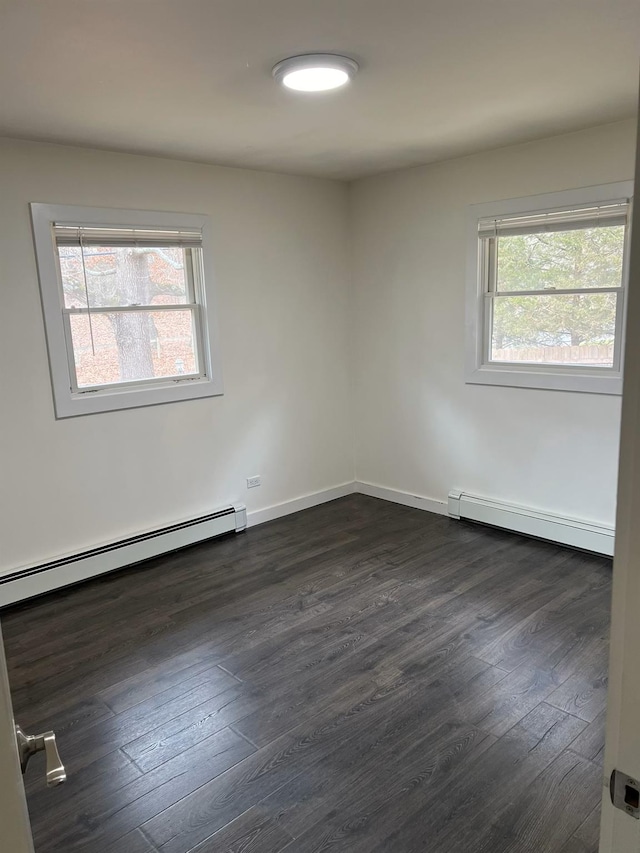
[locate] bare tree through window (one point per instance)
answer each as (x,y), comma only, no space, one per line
(125,346)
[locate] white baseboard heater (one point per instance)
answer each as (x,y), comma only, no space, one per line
(28,581)
(533,522)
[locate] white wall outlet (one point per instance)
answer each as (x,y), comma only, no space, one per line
(252,482)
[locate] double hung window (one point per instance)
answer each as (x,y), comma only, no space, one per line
(128,317)
(547,290)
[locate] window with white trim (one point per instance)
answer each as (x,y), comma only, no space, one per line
(547,290)
(128,319)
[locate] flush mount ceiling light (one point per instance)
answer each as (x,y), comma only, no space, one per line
(315,72)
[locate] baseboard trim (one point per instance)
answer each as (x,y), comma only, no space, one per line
(404,498)
(28,581)
(270,513)
(565,531)
(574,532)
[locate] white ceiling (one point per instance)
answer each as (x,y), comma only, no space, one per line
(191,78)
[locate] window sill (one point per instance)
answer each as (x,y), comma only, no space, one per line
(109,400)
(548,379)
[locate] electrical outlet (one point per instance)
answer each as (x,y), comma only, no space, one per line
(252,482)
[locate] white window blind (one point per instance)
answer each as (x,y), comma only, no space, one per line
(82,235)
(600,216)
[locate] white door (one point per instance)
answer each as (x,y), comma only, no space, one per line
(620,832)
(14,818)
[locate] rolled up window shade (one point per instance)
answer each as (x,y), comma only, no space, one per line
(595,216)
(76,235)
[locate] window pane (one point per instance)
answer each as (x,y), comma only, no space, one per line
(562,329)
(590,257)
(123,276)
(129,346)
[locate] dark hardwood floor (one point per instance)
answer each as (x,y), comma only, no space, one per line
(359,677)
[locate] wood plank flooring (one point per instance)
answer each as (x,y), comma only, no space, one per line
(358,677)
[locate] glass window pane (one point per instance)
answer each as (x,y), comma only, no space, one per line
(554,329)
(123,276)
(589,257)
(130,346)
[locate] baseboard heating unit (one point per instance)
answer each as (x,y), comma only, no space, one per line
(532,522)
(33,580)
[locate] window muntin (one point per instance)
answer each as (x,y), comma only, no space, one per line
(550,292)
(127,318)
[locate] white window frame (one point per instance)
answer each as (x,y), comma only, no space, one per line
(478,369)
(69,400)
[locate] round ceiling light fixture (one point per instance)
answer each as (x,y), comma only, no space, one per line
(315,72)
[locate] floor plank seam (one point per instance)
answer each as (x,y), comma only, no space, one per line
(244,737)
(147,839)
(228,671)
(570,713)
(122,749)
(198,788)
(564,711)
(104,702)
(596,764)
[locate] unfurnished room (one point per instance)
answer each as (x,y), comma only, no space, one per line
(320,456)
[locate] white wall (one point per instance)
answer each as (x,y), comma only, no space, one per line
(281,263)
(419,428)
(292,330)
